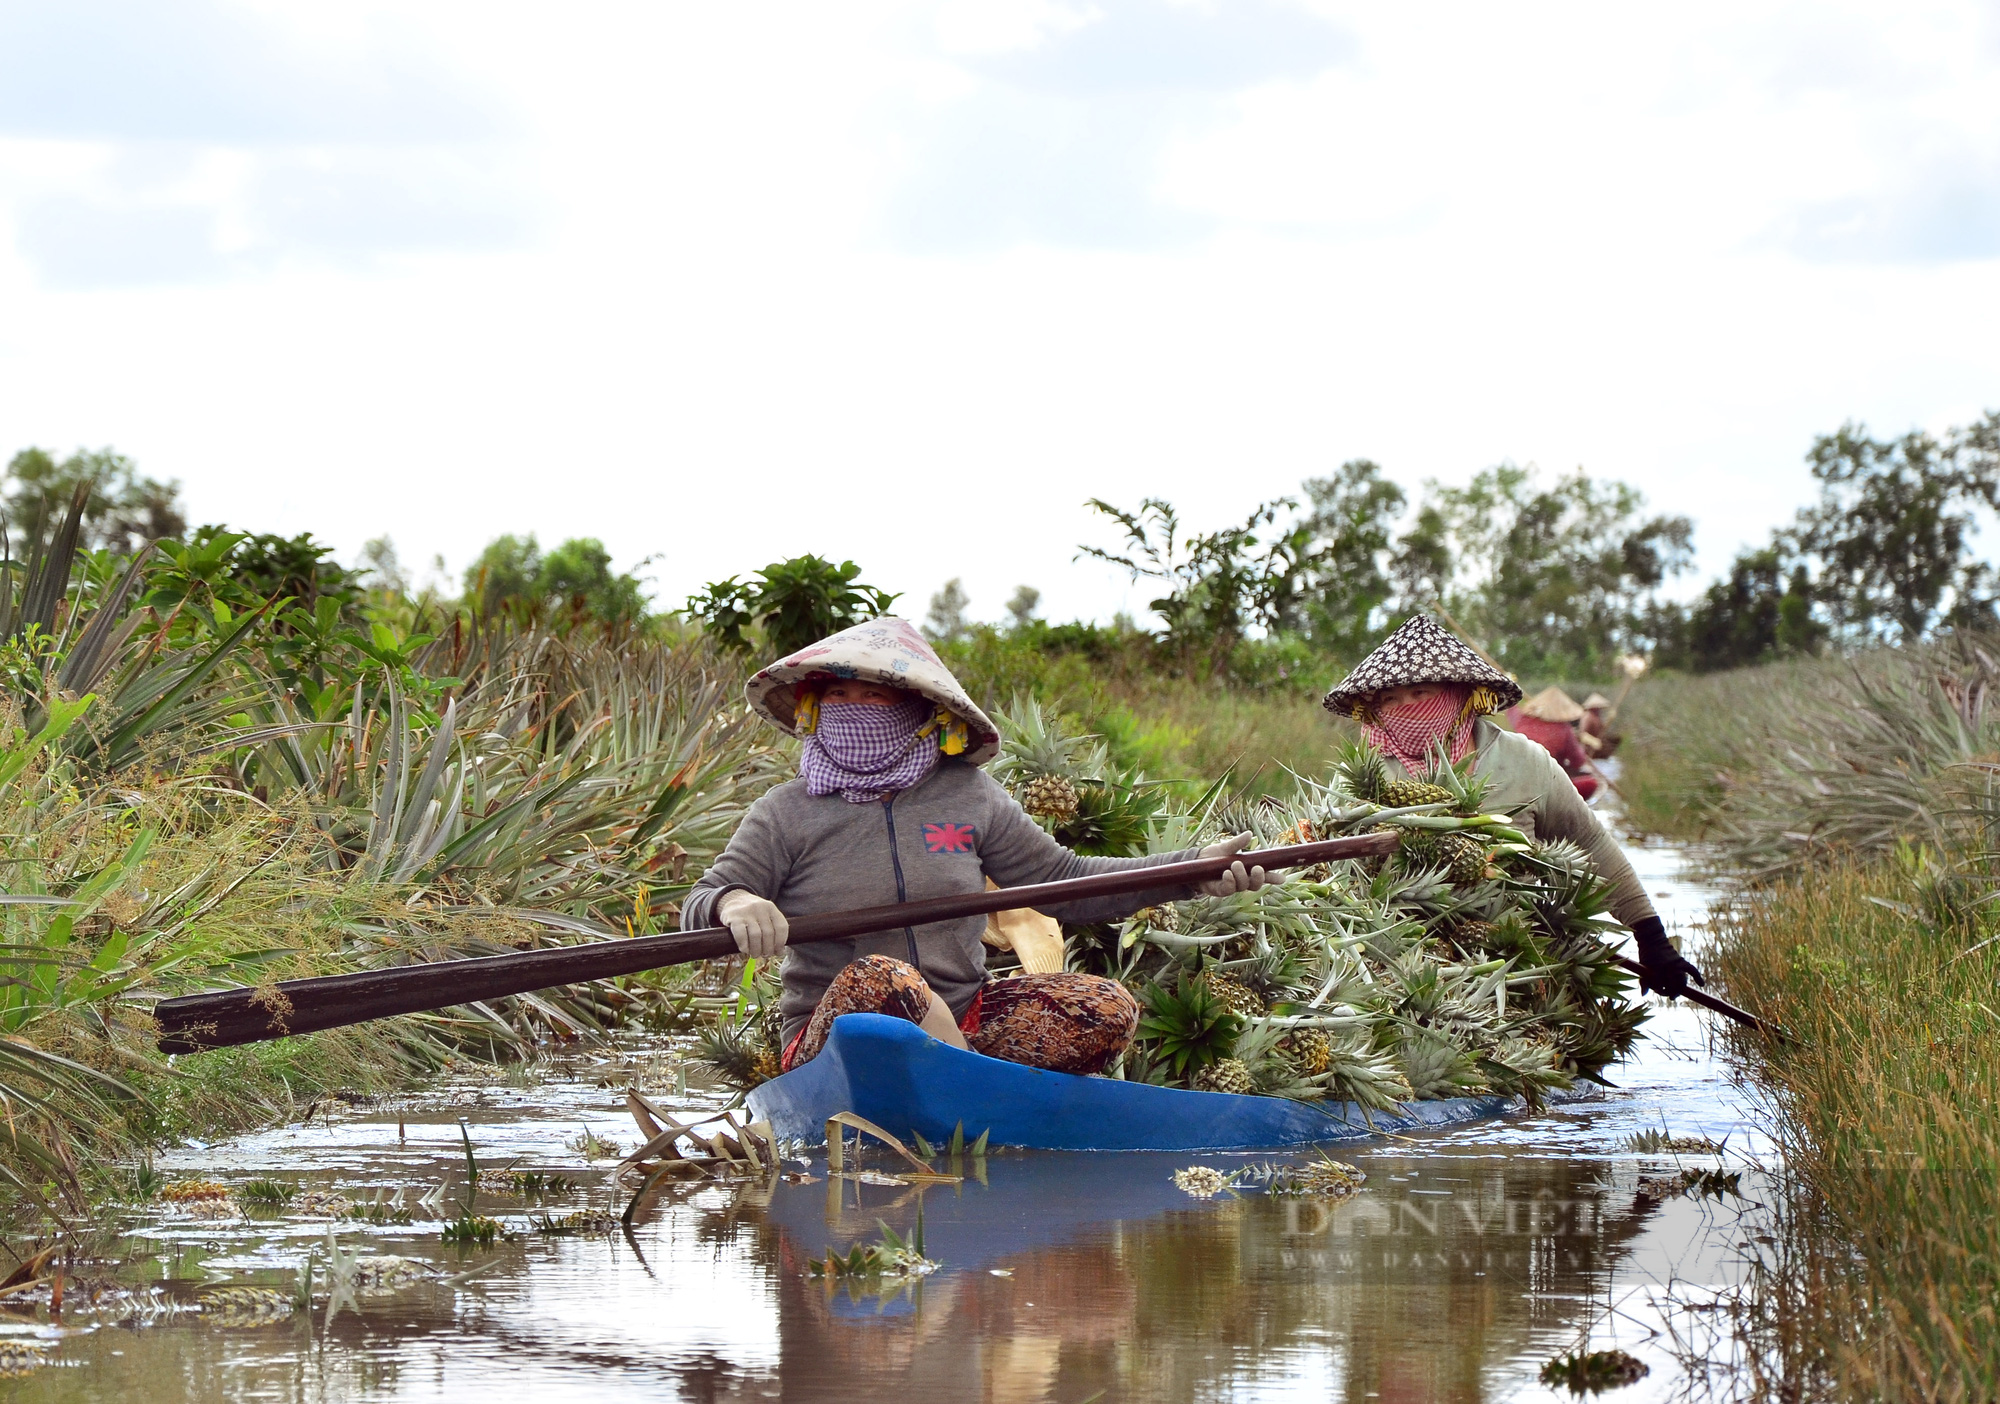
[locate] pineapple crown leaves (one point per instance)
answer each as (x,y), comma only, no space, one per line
(1360,1072)
(1033,744)
(1436,1067)
(1467,789)
(1524,1069)
(735,1058)
(1272,1074)
(1191,1026)
(1360,772)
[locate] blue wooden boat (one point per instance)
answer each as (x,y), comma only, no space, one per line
(899,1077)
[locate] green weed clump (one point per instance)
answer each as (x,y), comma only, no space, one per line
(1889,1097)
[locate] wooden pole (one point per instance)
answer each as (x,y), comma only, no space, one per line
(225,1018)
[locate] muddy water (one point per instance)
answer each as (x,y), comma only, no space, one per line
(1472,1256)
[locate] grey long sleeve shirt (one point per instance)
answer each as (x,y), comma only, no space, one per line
(944,835)
(1525,781)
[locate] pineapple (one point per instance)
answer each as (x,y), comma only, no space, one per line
(1311,1050)
(1419,849)
(1052,797)
(1464,858)
(1325,1176)
(1401,794)
(1226,1075)
(1235,994)
(738,1061)
(1165,919)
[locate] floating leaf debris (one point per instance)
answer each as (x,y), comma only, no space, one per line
(1587,1373)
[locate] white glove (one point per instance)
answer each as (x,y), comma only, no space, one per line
(759,927)
(1236,879)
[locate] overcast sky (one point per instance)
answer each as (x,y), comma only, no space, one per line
(723,283)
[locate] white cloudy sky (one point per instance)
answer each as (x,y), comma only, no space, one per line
(720,283)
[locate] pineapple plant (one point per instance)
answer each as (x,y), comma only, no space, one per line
(1225,1075)
(1361,772)
(1464,858)
(1042,763)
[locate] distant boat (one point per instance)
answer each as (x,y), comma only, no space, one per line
(899,1077)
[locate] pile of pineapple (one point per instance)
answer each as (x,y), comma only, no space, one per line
(1471,960)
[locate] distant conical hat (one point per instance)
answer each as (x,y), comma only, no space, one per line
(1596,702)
(1552,704)
(885,650)
(1422,652)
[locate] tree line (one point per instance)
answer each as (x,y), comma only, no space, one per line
(1561,575)
(1565,576)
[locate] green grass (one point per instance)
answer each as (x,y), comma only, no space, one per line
(1856,795)
(1890,1100)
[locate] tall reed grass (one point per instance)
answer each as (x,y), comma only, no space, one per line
(1890,1123)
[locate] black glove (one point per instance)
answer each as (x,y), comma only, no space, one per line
(1667,970)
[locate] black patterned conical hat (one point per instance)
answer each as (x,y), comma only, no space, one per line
(1422,651)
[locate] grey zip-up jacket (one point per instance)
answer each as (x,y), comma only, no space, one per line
(1524,780)
(944,835)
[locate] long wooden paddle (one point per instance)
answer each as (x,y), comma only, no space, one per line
(224,1018)
(1696,995)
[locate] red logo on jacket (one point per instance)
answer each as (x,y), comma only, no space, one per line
(949,838)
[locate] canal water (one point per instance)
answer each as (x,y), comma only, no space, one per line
(1472,1256)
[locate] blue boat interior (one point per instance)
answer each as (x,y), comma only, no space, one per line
(894,1074)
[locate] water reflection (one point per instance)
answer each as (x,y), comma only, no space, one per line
(1064,1277)
(1423,1287)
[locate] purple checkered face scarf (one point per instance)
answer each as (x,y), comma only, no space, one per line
(865,752)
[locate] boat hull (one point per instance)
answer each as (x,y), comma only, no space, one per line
(899,1077)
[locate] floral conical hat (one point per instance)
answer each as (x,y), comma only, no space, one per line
(885,650)
(1423,652)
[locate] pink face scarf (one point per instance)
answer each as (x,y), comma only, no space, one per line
(1410,732)
(866,752)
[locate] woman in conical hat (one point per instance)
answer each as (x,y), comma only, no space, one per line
(1549,720)
(890,805)
(1424,689)
(1592,728)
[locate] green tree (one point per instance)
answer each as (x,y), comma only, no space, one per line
(1021,606)
(1890,537)
(572,583)
(791,603)
(1884,556)
(577,577)
(504,572)
(126,510)
(380,568)
(1762,610)
(1561,577)
(945,622)
(1352,524)
(1219,585)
